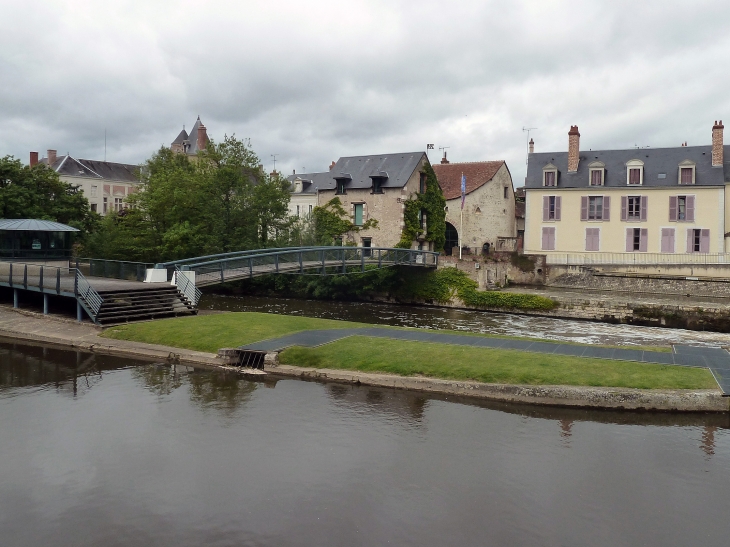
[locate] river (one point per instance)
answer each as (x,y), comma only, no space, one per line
(548,328)
(104,451)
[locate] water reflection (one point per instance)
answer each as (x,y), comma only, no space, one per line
(586,332)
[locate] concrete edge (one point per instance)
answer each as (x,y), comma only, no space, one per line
(566,396)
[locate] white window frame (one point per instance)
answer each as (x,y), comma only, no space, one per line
(596,166)
(550,168)
(635,164)
(686,164)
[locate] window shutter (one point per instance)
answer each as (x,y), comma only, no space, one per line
(557,207)
(705,241)
(624,208)
(643,240)
(690,240)
(584,208)
(672,208)
(551,238)
(690,209)
(606,208)
(644,205)
(545,208)
(629,240)
(545,239)
(667,240)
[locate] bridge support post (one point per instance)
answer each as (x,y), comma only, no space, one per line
(344,260)
(324,268)
(16,299)
(250,268)
(301,264)
(222,275)
(276,260)
(45,304)
(58,280)
(362,259)
(25,277)
(380,258)
(79,312)
(40,279)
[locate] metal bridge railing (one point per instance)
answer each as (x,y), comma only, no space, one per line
(322,260)
(115,269)
(86,294)
(187,287)
(41,277)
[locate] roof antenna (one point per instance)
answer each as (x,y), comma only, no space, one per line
(105,144)
(444,148)
(274,158)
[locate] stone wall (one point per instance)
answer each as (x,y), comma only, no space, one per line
(496,270)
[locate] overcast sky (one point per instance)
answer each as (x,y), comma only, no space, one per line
(313,81)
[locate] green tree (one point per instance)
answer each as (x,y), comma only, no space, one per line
(37,192)
(431,202)
(331,221)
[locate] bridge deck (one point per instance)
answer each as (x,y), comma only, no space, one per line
(65,285)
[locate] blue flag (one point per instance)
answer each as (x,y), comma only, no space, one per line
(463,189)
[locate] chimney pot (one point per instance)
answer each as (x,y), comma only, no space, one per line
(444,160)
(717,144)
(33,159)
(332,165)
(573,149)
(51,158)
(532,146)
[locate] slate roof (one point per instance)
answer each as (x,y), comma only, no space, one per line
(395,169)
(183,136)
(33,225)
(311,182)
(656,161)
(101,170)
(478,173)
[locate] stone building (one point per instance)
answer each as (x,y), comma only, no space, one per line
(104,183)
(584,206)
(304,192)
(191,143)
(489,206)
(375,187)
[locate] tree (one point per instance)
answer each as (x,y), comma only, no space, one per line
(331,221)
(431,202)
(37,192)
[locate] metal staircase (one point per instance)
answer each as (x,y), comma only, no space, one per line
(138,305)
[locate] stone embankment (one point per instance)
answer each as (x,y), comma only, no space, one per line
(30,327)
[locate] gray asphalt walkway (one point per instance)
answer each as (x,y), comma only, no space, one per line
(717,360)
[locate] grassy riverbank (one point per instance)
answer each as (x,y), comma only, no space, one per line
(211,332)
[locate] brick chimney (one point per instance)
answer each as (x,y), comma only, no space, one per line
(202,137)
(332,165)
(573,149)
(51,158)
(532,146)
(444,160)
(717,145)
(274,174)
(33,159)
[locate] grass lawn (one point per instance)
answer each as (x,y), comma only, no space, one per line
(407,358)
(224,330)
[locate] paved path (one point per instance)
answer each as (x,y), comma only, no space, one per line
(717,360)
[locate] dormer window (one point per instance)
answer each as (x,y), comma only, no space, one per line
(549,175)
(341,188)
(377,185)
(596,173)
(635,173)
(686,172)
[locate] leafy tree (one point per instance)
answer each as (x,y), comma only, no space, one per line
(37,192)
(434,205)
(331,221)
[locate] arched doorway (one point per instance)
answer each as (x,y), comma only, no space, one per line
(452,239)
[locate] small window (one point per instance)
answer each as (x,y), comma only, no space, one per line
(341,190)
(94,190)
(636,240)
(358,214)
(422,219)
(698,241)
(422,186)
(687,172)
(682,208)
(338,242)
(596,172)
(298,211)
(377,185)
(634,172)
(550,208)
(633,211)
(106,205)
(367,243)
(93,207)
(595,208)
(118,204)
(506,192)
(310,209)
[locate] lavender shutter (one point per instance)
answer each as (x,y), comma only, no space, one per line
(545,208)
(705,241)
(606,208)
(673,209)
(551,238)
(584,208)
(667,240)
(592,239)
(629,240)
(643,240)
(690,216)
(624,208)
(644,206)
(545,239)
(557,207)
(690,240)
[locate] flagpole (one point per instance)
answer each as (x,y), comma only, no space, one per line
(461,215)
(461,229)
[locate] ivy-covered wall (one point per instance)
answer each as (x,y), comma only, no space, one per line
(432,202)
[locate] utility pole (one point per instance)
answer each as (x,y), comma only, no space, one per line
(527,141)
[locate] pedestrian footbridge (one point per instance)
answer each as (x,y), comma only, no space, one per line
(110,291)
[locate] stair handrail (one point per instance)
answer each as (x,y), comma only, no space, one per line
(86,293)
(187,287)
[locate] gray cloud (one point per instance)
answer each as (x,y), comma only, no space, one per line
(312,81)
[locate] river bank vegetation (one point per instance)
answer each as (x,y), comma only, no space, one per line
(211,332)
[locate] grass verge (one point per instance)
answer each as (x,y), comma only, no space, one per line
(212,332)
(407,358)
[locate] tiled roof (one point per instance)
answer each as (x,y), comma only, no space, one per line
(101,170)
(311,182)
(395,169)
(33,225)
(478,173)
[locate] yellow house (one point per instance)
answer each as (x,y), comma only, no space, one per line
(639,205)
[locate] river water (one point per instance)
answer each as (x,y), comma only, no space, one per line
(103,451)
(587,332)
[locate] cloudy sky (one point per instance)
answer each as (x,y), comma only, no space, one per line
(313,81)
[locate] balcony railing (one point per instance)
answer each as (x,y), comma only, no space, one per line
(638,259)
